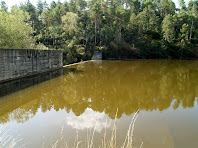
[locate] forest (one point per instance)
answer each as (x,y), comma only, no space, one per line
(120,29)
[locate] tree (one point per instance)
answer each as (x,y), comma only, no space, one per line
(193,16)
(120,15)
(70,23)
(168,28)
(147,20)
(40,7)
(184,34)
(72,35)
(81,4)
(96,14)
(133,21)
(72,6)
(134,6)
(3,6)
(53,4)
(182,4)
(30,8)
(167,7)
(119,28)
(15,35)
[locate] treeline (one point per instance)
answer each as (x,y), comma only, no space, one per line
(118,28)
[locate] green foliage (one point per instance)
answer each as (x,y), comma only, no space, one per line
(70,23)
(40,7)
(3,6)
(120,29)
(168,28)
(14,33)
(41,47)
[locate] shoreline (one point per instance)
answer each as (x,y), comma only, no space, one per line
(78,63)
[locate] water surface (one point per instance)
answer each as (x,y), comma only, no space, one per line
(87,96)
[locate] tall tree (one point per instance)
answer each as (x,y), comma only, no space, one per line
(30,8)
(15,35)
(96,14)
(40,7)
(3,6)
(168,28)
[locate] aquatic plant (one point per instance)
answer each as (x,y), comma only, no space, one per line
(106,143)
(6,140)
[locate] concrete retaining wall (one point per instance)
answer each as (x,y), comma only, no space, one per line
(19,84)
(16,63)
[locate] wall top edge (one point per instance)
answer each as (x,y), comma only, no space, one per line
(29,49)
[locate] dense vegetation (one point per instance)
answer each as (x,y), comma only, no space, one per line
(118,28)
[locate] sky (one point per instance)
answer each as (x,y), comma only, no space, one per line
(10,3)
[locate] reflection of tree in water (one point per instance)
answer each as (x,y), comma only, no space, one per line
(127,85)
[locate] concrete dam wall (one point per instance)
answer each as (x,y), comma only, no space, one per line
(16,63)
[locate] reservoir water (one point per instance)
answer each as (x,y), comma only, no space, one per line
(82,100)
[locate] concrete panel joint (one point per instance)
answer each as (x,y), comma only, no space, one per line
(15,63)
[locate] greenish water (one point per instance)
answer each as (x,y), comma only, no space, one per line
(87,96)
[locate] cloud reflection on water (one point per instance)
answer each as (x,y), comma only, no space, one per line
(90,120)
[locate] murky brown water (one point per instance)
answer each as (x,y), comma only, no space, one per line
(88,95)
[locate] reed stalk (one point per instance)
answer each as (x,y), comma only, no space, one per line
(128,142)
